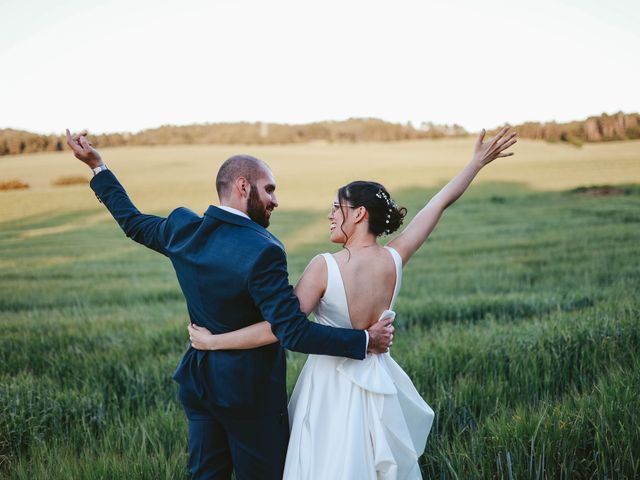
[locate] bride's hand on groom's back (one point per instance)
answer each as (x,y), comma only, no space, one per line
(380,336)
(200,337)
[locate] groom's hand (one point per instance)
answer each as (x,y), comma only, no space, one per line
(83,149)
(381,336)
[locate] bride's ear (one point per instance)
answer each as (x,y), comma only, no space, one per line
(361,215)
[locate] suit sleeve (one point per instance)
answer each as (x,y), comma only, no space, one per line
(149,230)
(270,289)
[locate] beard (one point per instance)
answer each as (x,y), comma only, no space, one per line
(257,210)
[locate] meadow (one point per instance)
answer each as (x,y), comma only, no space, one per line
(518,321)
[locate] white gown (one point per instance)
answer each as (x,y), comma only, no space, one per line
(355,419)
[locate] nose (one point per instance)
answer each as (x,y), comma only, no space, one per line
(332,212)
(274,200)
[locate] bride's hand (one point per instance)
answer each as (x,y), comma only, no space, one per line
(485,153)
(201,338)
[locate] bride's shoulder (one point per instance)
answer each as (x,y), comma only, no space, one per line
(314,277)
(317,265)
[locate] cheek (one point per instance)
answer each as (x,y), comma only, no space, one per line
(337,236)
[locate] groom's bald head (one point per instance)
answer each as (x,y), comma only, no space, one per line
(245,166)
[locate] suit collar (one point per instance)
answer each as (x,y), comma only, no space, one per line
(233,210)
(228,217)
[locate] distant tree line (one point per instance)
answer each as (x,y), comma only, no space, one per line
(18,141)
(353,130)
(619,126)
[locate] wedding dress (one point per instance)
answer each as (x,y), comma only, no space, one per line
(355,419)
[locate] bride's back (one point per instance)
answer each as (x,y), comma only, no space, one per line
(369,277)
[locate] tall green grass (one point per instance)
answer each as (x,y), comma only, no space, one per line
(518,322)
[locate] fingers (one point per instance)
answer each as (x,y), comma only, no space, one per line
(192,331)
(499,136)
(385,322)
(480,138)
(380,338)
(85,142)
(73,142)
(512,142)
(505,145)
(499,146)
(387,339)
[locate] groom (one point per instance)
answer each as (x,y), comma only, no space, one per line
(233,273)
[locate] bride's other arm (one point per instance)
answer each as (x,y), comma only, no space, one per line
(419,229)
(309,290)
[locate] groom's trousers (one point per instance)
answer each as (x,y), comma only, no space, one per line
(251,441)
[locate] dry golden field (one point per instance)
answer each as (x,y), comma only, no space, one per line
(160,178)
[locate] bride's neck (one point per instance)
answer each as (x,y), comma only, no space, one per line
(361,239)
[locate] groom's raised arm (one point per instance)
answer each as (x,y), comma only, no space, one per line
(149,230)
(270,289)
(145,229)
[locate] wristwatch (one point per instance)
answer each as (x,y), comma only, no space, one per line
(99,169)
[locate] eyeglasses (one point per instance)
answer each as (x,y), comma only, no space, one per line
(336,206)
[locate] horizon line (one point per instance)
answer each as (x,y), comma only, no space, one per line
(222,122)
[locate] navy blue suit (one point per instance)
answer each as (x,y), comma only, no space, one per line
(233,273)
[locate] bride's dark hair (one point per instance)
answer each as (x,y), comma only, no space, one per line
(385,216)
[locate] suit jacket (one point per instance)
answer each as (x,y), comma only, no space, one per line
(233,273)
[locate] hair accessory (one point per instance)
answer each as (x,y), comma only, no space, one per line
(391,204)
(388,200)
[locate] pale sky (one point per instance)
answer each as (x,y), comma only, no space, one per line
(127,65)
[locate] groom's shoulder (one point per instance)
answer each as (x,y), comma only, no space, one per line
(183,220)
(183,215)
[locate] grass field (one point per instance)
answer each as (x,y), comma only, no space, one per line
(518,321)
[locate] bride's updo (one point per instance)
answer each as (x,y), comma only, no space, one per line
(385,216)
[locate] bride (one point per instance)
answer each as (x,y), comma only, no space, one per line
(359,419)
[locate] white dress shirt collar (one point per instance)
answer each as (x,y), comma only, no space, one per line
(234,211)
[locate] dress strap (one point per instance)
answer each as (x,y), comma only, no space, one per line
(397,260)
(331,273)
(335,293)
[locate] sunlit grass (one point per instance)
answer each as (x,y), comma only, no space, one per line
(518,321)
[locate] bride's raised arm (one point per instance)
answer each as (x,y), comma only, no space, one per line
(309,290)
(419,229)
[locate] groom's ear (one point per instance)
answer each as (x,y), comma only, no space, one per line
(243,186)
